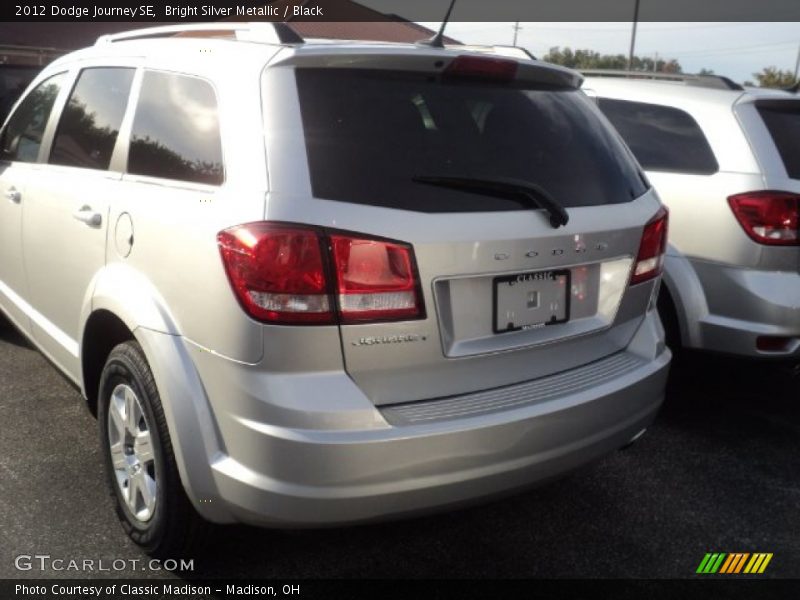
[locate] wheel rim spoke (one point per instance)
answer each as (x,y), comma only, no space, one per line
(147,492)
(118,458)
(117,416)
(143,448)
(131,411)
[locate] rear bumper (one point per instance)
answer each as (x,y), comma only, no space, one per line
(744,304)
(289,476)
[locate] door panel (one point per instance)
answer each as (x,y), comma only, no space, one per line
(20,148)
(65,219)
(12,273)
(63,253)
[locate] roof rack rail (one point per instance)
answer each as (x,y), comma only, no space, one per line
(269,32)
(708,81)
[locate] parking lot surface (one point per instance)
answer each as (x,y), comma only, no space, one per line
(718,472)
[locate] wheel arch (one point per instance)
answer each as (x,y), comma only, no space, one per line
(684,292)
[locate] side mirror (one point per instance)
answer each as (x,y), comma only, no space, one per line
(9,148)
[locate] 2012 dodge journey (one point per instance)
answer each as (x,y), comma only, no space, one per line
(305,283)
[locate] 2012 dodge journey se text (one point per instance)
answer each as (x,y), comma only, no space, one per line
(305,283)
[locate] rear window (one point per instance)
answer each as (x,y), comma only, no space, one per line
(368,133)
(662,138)
(782,118)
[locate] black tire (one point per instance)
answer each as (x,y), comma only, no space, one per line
(174,526)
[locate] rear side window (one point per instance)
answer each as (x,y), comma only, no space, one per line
(89,125)
(369,133)
(782,118)
(661,137)
(175,131)
(22,136)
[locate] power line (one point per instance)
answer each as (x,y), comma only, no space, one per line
(732,50)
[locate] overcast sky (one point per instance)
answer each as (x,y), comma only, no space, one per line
(734,49)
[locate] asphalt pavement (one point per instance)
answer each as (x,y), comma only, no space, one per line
(719,471)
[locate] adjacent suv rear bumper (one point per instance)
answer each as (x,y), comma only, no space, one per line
(395,464)
(733,306)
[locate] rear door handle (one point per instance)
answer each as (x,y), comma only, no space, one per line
(13,195)
(88,217)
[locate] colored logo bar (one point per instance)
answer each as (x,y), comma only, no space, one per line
(734,563)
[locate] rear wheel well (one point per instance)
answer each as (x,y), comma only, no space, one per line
(103,332)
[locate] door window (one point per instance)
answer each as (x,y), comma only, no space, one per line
(22,136)
(89,125)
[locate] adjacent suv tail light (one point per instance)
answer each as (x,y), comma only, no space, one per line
(650,259)
(771,218)
(293,274)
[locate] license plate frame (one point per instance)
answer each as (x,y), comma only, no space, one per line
(537,287)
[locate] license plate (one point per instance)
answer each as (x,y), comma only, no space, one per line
(531,300)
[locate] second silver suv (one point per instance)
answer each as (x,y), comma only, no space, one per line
(336,283)
(726,160)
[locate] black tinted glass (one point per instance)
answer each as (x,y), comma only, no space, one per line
(661,137)
(369,133)
(176,130)
(13,81)
(22,136)
(88,129)
(782,118)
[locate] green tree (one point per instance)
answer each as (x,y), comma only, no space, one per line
(589,59)
(772,77)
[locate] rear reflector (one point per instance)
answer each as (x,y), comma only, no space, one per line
(279,273)
(375,280)
(773,343)
(650,259)
(481,67)
(771,218)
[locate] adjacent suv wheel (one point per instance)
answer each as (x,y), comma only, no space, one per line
(140,467)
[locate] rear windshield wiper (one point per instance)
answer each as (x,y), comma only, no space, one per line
(513,189)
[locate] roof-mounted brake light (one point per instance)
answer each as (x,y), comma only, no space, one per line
(481,67)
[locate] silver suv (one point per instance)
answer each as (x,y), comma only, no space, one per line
(726,160)
(308,283)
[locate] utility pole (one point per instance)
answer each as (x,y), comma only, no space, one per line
(633,35)
(655,62)
(797,66)
(516,31)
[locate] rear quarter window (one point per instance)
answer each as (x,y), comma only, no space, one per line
(782,118)
(175,132)
(662,138)
(369,133)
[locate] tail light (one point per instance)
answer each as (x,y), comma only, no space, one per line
(291,274)
(375,280)
(277,272)
(771,218)
(650,259)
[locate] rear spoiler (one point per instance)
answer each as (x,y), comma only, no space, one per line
(417,59)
